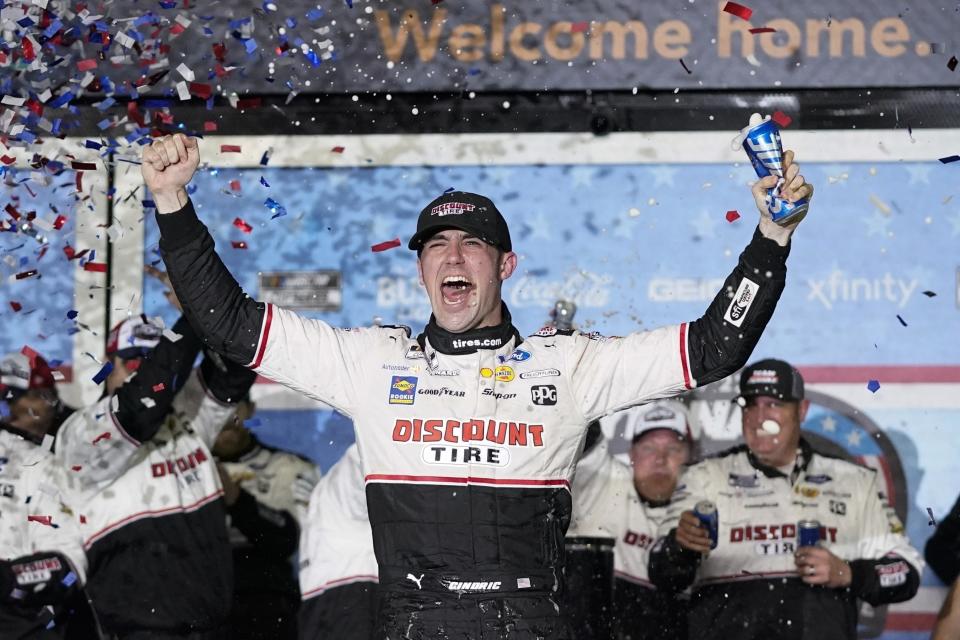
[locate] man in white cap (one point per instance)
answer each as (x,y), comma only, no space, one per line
(28,386)
(629,505)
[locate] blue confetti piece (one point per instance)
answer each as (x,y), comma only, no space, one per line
(55,26)
(291,23)
(315,14)
(275,207)
(349,3)
(92,144)
(25,22)
(69,580)
(265,158)
(473,71)
(167,4)
(103,373)
(873,386)
(106,104)
(105,124)
(250,44)
(61,100)
(313,58)
(449,190)
(73,313)
(264,182)
(53,364)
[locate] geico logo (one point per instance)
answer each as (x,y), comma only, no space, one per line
(775,532)
(178,465)
(499,396)
(635,539)
(511,433)
(448,454)
(473,586)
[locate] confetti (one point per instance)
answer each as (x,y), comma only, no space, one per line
(235,185)
(949,159)
(933,521)
(579,27)
(238,244)
(684,65)
(383,246)
(758,30)
(16,306)
(96,267)
(952,63)
(209,126)
(243,226)
(873,386)
(229,148)
(783,120)
(929,294)
(157,388)
(26,274)
(72,313)
(733,215)
(902,321)
(86,65)
(46,520)
(264,182)
(275,207)
(738,10)
(337,149)
(76,467)
(106,435)
(103,373)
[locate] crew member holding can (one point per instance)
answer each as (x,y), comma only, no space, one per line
(768,495)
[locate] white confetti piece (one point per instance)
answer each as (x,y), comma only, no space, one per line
(13,101)
(186,72)
(170,335)
(182,91)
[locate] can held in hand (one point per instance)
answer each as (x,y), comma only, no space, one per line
(706,512)
(762,143)
(808,533)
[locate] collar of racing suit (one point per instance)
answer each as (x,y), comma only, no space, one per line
(456,344)
(800,466)
(26,435)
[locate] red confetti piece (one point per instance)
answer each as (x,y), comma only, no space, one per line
(79,180)
(7,160)
(86,65)
(383,246)
(738,10)
(83,519)
(177,28)
(26,274)
(952,63)
(106,435)
(12,210)
(239,223)
(83,166)
(157,388)
(249,103)
(235,185)
(201,90)
(337,149)
(757,30)
(47,520)
(76,467)
(238,244)
(59,222)
(27,48)
(219,51)
(733,215)
(16,306)
(229,148)
(209,126)
(96,267)
(783,120)
(579,27)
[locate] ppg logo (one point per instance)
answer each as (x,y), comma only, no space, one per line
(544,394)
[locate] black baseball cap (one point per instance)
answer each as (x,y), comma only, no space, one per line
(468,212)
(771,377)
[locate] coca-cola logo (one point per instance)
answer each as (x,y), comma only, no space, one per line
(584,288)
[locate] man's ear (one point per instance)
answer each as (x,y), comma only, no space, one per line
(508,263)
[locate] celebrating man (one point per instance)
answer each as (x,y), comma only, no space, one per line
(468,433)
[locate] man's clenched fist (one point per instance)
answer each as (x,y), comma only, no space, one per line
(168,166)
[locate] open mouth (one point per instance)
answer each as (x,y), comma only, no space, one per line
(455,289)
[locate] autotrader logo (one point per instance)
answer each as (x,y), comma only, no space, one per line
(543,394)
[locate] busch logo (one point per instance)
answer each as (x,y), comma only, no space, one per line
(544,394)
(746,293)
(452,208)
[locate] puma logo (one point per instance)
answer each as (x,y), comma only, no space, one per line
(410,576)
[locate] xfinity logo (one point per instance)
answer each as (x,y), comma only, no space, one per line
(543,394)
(475,342)
(841,287)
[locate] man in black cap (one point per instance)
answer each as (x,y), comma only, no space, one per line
(468,434)
(757,581)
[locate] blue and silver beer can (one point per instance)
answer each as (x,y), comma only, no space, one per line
(706,512)
(808,533)
(762,144)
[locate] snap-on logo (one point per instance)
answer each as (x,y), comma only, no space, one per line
(452,208)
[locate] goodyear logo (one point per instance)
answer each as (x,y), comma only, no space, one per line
(504,373)
(403,389)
